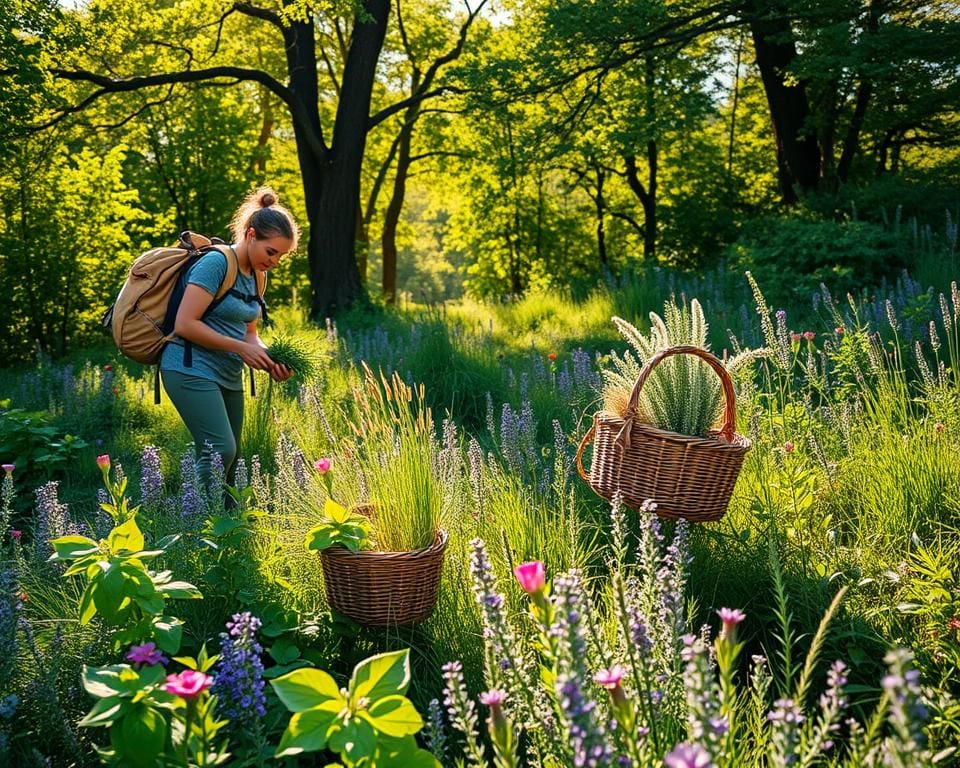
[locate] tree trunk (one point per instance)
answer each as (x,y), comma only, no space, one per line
(601,206)
(648,199)
(331,176)
(388,241)
(798,156)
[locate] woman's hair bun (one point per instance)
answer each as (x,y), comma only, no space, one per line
(267,198)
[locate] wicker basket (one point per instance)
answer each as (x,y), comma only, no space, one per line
(688,477)
(377,589)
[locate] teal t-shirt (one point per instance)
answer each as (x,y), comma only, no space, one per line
(230,318)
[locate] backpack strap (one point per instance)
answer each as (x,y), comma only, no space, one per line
(229,279)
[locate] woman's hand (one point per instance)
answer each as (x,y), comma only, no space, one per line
(256,357)
(280,372)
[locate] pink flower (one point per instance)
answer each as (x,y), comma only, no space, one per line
(610,678)
(493,698)
(788,447)
(687,756)
(187,684)
(146,653)
(730,618)
(103,461)
(794,336)
(938,428)
(552,356)
(108,367)
(15,534)
(532,577)
(809,335)
(839,330)
(8,468)
(322,465)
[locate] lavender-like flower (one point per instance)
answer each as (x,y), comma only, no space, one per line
(907,711)
(461,710)
(240,478)
(191,503)
(785,718)
(10,606)
(435,731)
(239,683)
(53,518)
(151,480)
(498,635)
(299,465)
(588,742)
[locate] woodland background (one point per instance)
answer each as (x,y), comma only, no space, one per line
(433,149)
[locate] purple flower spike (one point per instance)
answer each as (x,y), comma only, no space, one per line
(687,756)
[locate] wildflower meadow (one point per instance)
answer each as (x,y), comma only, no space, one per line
(146,620)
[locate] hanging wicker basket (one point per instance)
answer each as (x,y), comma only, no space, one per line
(688,477)
(378,589)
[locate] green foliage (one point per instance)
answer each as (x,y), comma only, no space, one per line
(339,527)
(792,256)
(37,447)
(297,354)
(370,722)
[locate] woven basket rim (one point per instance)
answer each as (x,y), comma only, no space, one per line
(440,539)
(739,441)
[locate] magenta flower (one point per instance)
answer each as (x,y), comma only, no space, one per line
(794,336)
(188,683)
(15,534)
(687,756)
(809,335)
(322,465)
(730,618)
(788,447)
(610,678)
(8,468)
(146,653)
(103,461)
(532,577)
(839,330)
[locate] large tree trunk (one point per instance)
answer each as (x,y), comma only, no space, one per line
(331,176)
(798,156)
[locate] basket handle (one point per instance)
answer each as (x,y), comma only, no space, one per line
(729,397)
(583,444)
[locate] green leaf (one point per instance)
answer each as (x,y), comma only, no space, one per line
(140,736)
(73,547)
(382,675)
(167,541)
(356,738)
(168,633)
(88,608)
(180,590)
(126,537)
(284,651)
(320,537)
(104,712)
(307,731)
(152,604)
(102,681)
(111,595)
(403,753)
(394,716)
(303,689)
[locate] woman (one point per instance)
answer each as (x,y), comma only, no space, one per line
(205,383)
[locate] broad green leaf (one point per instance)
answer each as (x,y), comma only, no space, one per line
(334,511)
(356,738)
(111,594)
(181,590)
(394,716)
(320,538)
(152,604)
(382,675)
(284,651)
(403,753)
(168,632)
(104,712)
(126,537)
(140,736)
(306,731)
(303,689)
(88,608)
(102,681)
(73,547)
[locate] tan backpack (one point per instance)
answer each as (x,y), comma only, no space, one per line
(143,316)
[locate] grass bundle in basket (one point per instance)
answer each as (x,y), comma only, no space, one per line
(296,354)
(683,394)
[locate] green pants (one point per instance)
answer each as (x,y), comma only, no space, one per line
(213,415)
